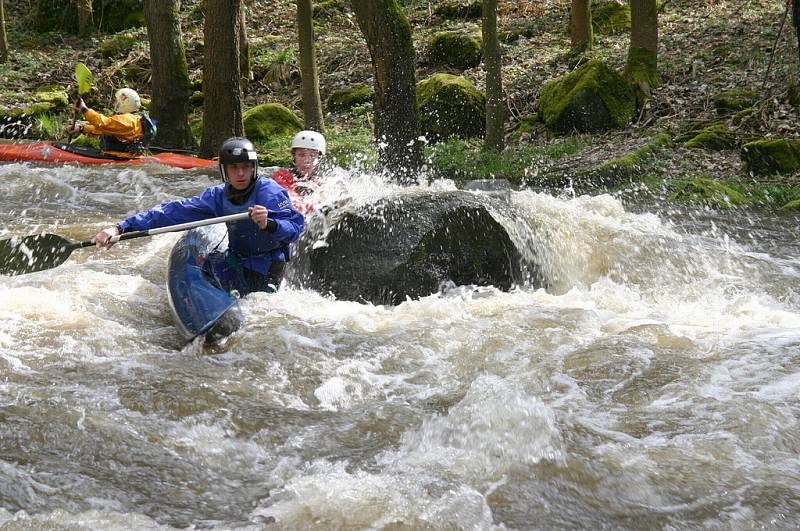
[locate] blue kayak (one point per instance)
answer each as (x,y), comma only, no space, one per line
(199,302)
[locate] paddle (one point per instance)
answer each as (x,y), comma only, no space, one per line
(83,77)
(28,254)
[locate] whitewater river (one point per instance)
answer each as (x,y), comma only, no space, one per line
(654,384)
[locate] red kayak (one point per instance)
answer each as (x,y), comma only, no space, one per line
(58,153)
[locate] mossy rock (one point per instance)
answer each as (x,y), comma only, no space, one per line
(62,15)
(52,94)
(767,157)
(270,120)
(516,30)
(348,97)
(119,44)
(450,106)
(731,101)
(714,138)
(611,18)
(708,191)
(593,98)
(791,205)
(740,116)
(454,49)
(455,10)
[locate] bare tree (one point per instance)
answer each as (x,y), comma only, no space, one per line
(388,36)
(170,77)
(580,25)
(642,65)
(3,37)
(85,18)
(222,97)
(312,106)
(495,101)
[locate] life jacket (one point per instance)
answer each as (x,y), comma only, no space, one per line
(255,248)
(298,188)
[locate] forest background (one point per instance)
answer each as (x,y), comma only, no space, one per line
(718,125)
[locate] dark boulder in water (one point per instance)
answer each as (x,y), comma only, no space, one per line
(407,246)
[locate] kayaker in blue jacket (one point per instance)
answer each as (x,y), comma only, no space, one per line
(258,248)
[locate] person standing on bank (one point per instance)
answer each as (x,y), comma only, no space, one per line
(122,134)
(258,247)
(302,179)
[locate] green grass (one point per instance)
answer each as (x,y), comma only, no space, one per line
(464,160)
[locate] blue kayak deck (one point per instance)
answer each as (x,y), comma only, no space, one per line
(199,303)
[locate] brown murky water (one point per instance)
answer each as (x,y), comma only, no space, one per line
(655,384)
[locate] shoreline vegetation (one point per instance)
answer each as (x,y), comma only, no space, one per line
(721,128)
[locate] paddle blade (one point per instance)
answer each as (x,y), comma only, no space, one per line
(20,255)
(84,79)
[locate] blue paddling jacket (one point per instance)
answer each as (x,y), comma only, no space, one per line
(256,249)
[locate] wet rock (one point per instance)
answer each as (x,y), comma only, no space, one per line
(408,247)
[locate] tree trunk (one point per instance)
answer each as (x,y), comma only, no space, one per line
(312,106)
(642,65)
(495,101)
(244,52)
(170,77)
(388,36)
(3,38)
(85,18)
(580,25)
(222,98)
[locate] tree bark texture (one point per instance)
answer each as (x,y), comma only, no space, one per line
(244,51)
(312,106)
(85,18)
(222,98)
(580,25)
(495,101)
(388,36)
(3,37)
(171,87)
(642,64)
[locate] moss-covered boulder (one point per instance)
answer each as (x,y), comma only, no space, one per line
(714,138)
(791,205)
(454,49)
(120,43)
(270,120)
(450,106)
(459,10)
(62,15)
(54,94)
(731,101)
(766,157)
(611,17)
(708,191)
(592,98)
(348,97)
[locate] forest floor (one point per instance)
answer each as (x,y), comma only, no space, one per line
(705,48)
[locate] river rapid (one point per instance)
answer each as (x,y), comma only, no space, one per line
(655,383)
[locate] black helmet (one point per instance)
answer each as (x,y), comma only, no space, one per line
(237,149)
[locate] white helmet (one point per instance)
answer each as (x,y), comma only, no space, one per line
(126,100)
(309,140)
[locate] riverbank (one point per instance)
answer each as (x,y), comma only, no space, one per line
(705,51)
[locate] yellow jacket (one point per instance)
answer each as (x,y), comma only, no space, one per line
(127,127)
